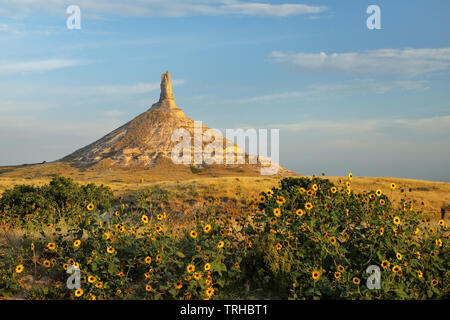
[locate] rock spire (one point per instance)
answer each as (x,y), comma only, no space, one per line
(166,87)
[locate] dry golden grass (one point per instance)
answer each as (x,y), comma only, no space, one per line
(184,187)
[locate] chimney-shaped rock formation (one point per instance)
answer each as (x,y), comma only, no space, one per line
(166,87)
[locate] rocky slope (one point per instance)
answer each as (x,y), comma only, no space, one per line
(146,140)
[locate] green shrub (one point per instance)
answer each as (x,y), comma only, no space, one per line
(319,240)
(51,202)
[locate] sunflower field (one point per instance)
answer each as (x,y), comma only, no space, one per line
(302,239)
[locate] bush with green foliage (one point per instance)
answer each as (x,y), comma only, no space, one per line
(317,241)
(53,201)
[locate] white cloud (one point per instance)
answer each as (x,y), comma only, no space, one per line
(431,125)
(321,90)
(138,88)
(166,8)
(382,61)
(370,86)
(113,113)
(37,66)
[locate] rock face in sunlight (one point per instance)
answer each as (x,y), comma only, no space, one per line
(147,139)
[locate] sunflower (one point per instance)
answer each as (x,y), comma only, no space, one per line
(207,267)
(393,186)
(419,273)
(315,187)
(299,212)
(269,192)
(315,275)
(65,266)
(280,200)
(207,228)
(158,258)
(148,260)
(277,212)
(379,192)
(417,254)
(278,246)
(148,288)
(396,269)
(350,176)
(341,268)
(333,240)
(99,285)
(385,264)
(438,243)
(356,280)
(310,192)
(434,282)
(19,268)
(220,244)
(46,263)
(144,219)
(90,207)
(78,292)
(337,275)
(372,196)
(301,190)
(333,190)
(399,256)
(160,216)
(51,246)
(249,244)
(209,292)
(110,249)
(91,279)
(272,220)
(441,223)
(197,275)
(158,228)
(77,243)
(193,234)
(308,206)
(178,285)
(262,198)
(397,220)
(381,231)
(382,202)
(190,268)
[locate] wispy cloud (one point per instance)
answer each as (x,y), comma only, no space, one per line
(165,8)
(321,90)
(128,89)
(113,113)
(383,61)
(430,125)
(7,68)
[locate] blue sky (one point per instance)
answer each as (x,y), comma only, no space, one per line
(346,98)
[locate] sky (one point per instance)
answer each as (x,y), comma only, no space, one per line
(345,97)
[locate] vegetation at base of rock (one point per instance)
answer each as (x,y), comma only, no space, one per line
(53,201)
(302,239)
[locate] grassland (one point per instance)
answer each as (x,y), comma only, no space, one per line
(184,186)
